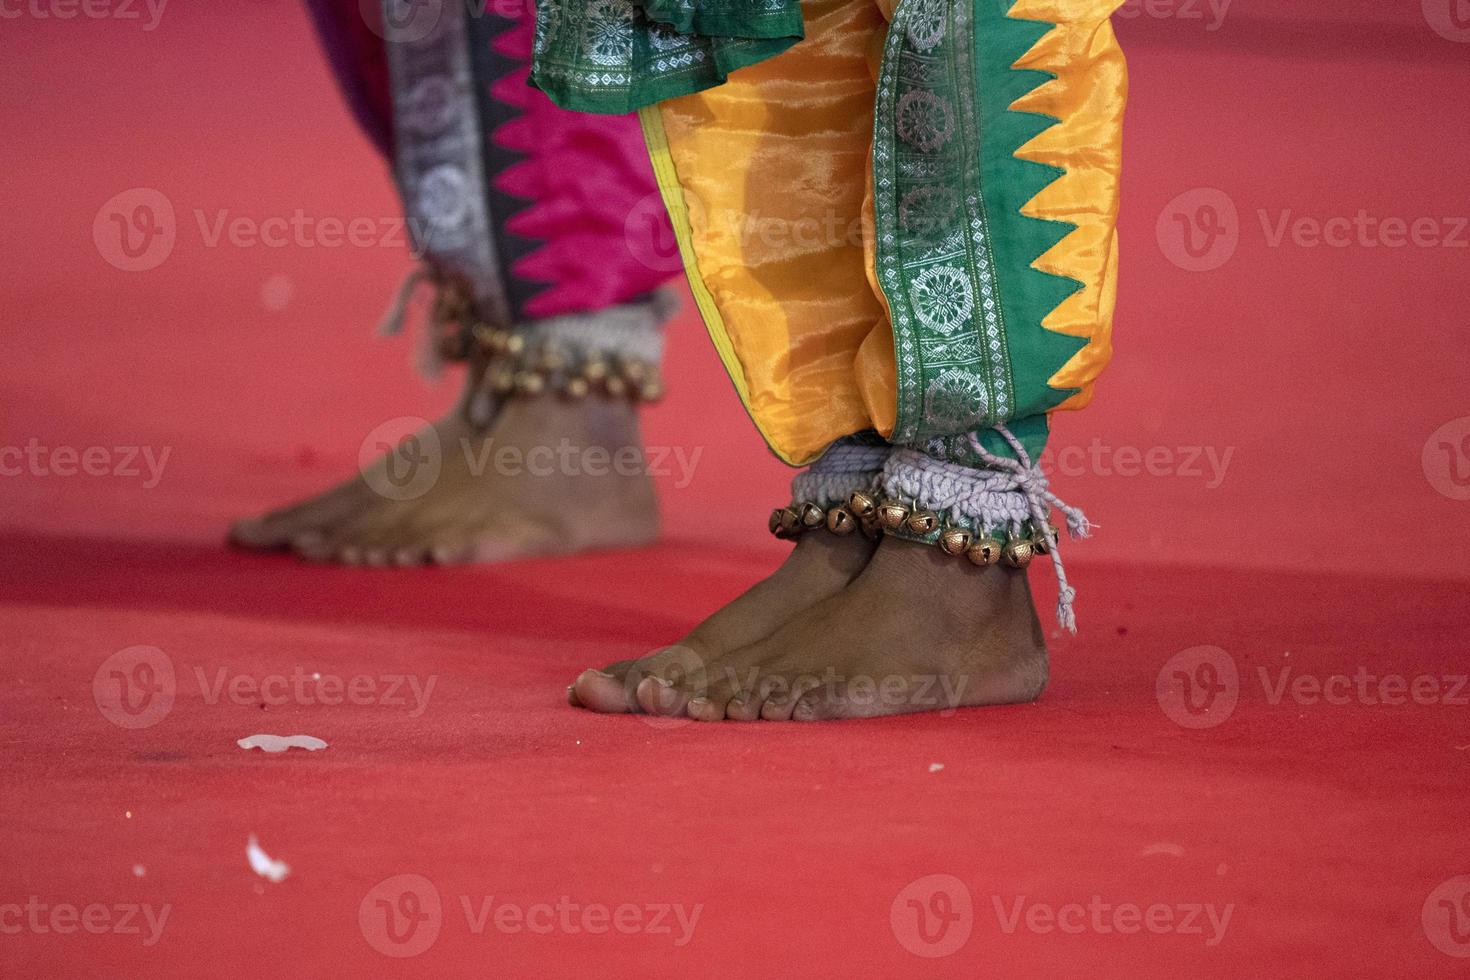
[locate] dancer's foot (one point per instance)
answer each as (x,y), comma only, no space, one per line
(549,476)
(917,630)
(820,566)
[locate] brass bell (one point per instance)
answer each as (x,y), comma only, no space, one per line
(594,370)
(985,552)
(616,386)
(870,527)
(484,334)
(577,388)
(633,370)
(495,339)
(503,381)
(651,390)
(1040,540)
(840,521)
(891,515)
(785,522)
(863,505)
(955,541)
(922,522)
(812,515)
(553,360)
(514,343)
(1018,552)
(529,382)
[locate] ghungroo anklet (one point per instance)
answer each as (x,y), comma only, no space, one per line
(532,361)
(822,494)
(613,352)
(989,516)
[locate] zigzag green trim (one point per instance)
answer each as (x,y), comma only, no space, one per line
(1007,183)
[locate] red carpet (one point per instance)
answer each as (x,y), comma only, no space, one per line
(1315,828)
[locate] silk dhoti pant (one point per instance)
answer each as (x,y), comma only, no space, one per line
(896,217)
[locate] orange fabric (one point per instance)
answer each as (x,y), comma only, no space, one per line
(774,170)
(773,166)
(1088,96)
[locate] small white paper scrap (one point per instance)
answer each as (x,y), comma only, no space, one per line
(264,865)
(280,743)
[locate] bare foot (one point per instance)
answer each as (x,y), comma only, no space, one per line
(820,566)
(917,630)
(548,476)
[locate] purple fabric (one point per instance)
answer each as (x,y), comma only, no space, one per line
(355,49)
(593,230)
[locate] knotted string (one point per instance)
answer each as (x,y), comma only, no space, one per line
(1031,481)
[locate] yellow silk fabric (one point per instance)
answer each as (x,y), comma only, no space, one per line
(769,182)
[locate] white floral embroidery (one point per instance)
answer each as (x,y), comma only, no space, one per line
(943,298)
(608,39)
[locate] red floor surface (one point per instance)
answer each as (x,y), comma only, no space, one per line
(1197,794)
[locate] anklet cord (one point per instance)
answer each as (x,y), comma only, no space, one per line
(1007,494)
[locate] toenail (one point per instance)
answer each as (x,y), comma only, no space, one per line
(699,701)
(664,681)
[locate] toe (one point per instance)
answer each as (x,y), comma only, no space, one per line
(661,696)
(744,706)
(599,690)
(256,532)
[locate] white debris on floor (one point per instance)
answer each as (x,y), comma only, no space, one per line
(139,871)
(280,743)
(935,766)
(264,865)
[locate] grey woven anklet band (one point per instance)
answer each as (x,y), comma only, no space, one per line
(842,469)
(1000,500)
(632,332)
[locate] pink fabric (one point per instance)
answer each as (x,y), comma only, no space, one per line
(586,195)
(591,193)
